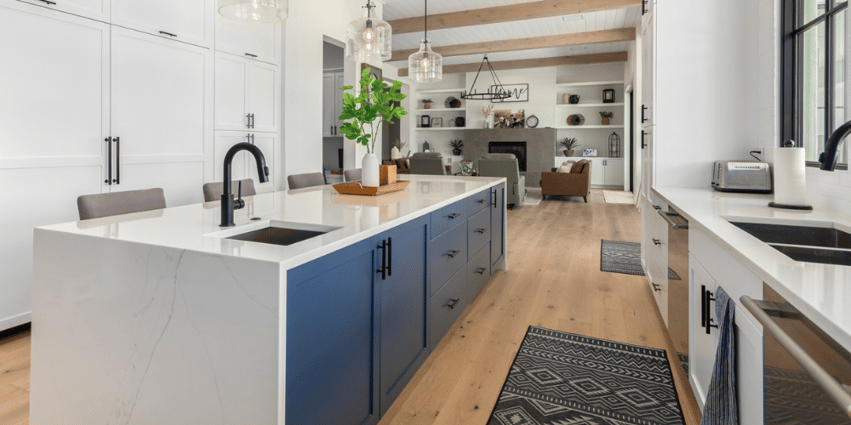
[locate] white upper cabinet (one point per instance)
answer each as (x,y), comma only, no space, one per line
(94,9)
(247,95)
(189,21)
(257,41)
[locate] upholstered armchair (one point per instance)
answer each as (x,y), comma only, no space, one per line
(430,163)
(505,165)
(575,183)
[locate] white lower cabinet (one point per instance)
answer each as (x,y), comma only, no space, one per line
(702,345)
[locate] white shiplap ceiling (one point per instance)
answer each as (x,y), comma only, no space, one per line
(592,21)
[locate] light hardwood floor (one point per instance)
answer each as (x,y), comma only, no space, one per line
(553,281)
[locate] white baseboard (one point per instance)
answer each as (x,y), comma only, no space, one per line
(11,322)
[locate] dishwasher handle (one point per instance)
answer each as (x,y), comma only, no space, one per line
(827,383)
(667,216)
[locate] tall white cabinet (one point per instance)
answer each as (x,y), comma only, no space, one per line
(113,95)
(332,102)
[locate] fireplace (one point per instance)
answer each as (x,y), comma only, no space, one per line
(517,148)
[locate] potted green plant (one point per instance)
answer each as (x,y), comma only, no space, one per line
(457,145)
(364,112)
(426,103)
(569,144)
(605,117)
(396,152)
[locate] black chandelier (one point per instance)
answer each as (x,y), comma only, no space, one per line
(499,92)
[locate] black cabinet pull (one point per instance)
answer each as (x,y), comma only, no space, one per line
(168,34)
(707,311)
(643,7)
(657,208)
(643,139)
(48,2)
(481,231)
(389,256)
(643,117)
(452,302)
(493,197)
(247,120)
(702,306)
(656,287)
(108,180)
(453,254)
(453,216)
(383,269)
(117,141)
(481,270)
(252,121)
(657,242)
(481,201)
(250,55)
(252,139)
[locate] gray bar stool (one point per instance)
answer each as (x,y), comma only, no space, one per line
(110,204)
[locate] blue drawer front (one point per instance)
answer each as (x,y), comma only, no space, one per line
(479,229)
(448,217)
(447,305)
(478,272)
(479,202)
(447,255)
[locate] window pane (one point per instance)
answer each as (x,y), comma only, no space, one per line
(812,59)
(809,10)
(840,114)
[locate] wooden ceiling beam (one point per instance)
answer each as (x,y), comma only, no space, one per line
(514,12)
(592,37)
(534,63)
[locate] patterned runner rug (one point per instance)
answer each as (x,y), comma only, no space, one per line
(624,258)
(564,379)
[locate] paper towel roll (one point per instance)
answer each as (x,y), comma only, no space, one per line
(790,176)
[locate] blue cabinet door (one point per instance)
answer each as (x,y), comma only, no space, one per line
(403,340)
(497,225)
(332,340)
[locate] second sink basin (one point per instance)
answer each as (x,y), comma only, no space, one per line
(815,255)
(827,237)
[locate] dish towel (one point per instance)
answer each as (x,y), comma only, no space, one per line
(721,407)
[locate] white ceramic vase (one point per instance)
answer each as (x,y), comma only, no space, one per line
(395,154)
(369,175)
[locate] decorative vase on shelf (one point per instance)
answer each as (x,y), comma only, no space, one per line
(370,170)
(605,121)
(456,152)
(568,152)
(395,154)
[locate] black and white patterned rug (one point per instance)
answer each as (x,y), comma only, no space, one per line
(793,397)
(624,258)
(559,378)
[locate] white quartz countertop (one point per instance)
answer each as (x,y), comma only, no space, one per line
(821,292)
(196,227)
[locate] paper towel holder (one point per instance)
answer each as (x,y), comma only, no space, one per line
(805,207)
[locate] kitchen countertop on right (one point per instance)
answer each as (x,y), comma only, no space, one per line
(821,292)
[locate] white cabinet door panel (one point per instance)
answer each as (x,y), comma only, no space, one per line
(231,95)
(597,172)
(160,96)
(329,96)
(182,182)
(262,41)
(54,82)
(263,96)
(94,9)
(337,108)
(224,141)
(189,21)
(614,172)
(266,143)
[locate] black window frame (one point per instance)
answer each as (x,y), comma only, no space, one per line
(791,91)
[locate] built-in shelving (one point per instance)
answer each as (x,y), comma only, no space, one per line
(591,84)
(420,92)
(445,110)
(587,105)
(589,127)
(440,128)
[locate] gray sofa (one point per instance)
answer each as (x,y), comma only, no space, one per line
(505,165)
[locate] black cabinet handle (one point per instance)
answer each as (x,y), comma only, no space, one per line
(702,306)
(657,242)
(493,196)
(707,311)
(656,287)
(643,7)
(252,140)
(250,55)
(657,208)
(481,231)
(383,269)
(108,180)
(452,302)
(389,256)
(168,34)
(48,2)
(481,201)
(453,216)
(453,254)
(253,121)
(643,139)
(117,141)
(643,117)
(247,120)
(481,270)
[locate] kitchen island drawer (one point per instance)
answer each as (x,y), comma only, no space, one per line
(478,229)
(478,271)
(447,305)
(448,217)
(446,255)
(479,202)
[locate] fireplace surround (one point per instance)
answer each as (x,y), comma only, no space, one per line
(540,148)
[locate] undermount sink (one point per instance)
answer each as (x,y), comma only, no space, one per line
(276,232)
(827,237)
(814,255)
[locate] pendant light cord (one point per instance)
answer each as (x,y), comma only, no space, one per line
(426,20)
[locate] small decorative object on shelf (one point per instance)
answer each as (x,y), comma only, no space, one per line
(605,117)
(457,145)
(576,119)
(460,122)
(437,122)
(487,111)
(452,103)
(569,144)
(426,147)
(609,96)
(573,99)
(614,146)
(532,121)
(425,121)
(589,152)
(466,168)
(426,103)
(565,98)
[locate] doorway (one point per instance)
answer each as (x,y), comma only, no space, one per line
(392,133)
(332,80)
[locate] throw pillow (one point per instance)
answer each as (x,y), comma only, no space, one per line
(566,167)
(578,167)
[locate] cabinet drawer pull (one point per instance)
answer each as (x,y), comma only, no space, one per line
(707,298)
(656,287)
(452,303)
(109,161)
(383,269)
(250,55)
(481,231)
(481,201)
(657,242)
(117,179)
(453,216)
(453,254)
(643,109)
(48,2)
(481,270)
(657,208)
(168,34)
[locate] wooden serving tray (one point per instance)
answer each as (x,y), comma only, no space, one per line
(355,188)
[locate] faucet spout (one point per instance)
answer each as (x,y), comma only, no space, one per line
(829,159)
(227,196)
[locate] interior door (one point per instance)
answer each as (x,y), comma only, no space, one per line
(94,9)
(54,100)
(263,97)
(189,21)
(232,75)
(160,112)
(259,41)
(329,97)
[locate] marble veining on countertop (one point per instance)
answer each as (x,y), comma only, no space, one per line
(822,292)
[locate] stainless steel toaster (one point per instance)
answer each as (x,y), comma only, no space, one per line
(742,176)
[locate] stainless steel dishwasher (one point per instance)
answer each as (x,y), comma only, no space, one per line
(678,302)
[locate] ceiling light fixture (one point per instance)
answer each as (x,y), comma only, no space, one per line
(425,66)
(256,11)
(370,39)
(496,92)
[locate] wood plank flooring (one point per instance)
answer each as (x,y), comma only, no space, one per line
(554,281)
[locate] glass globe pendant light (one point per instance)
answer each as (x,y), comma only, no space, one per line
(257,11)
(370,40)
(425,66)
